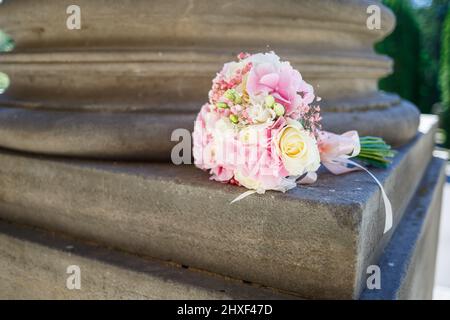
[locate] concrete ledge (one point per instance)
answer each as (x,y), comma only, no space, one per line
(315,241)
(33,265)
(408,262)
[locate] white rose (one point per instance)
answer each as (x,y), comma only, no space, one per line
(298,149)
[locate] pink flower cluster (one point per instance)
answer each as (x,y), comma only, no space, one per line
(259,121)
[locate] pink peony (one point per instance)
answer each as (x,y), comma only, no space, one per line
(283,82)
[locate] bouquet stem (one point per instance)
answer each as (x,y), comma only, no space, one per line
(376,152)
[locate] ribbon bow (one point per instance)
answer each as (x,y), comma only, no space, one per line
(335,153)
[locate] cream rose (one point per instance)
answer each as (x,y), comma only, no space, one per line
(298,149)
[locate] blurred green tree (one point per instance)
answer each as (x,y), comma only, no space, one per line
(416,46)
(404,46)
(444,79)
(431,19)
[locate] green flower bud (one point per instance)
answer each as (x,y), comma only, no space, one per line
(279,109)
(237,99)
(230,94)
(222,105)
(270,101)
(234,118)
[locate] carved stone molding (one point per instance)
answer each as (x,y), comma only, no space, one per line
(136,70)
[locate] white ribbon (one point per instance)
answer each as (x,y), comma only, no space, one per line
(310,178)
(243,195)
(387,202)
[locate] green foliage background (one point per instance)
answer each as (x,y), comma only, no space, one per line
(403,45)
(419,48)
(445,76)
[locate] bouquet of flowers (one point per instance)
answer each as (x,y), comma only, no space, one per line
(261,130)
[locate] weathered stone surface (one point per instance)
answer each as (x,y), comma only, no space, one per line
(148,135)
(147,80)
(202,23)
(171,51)
(396,124)
(135,71)
(95,135)
(315,241)
(408,262)
(33,265)
(135,84)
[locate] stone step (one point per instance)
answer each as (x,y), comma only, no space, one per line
(34,265)
(407,265)
(314,241)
